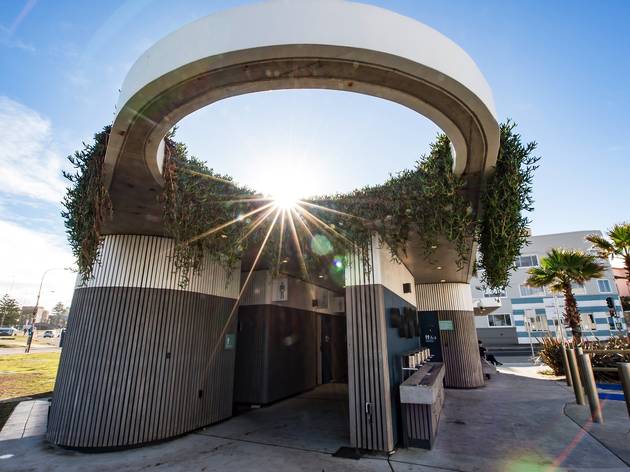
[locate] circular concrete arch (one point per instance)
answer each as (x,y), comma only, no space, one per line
(282,44)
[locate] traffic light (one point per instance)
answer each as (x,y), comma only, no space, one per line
(611,307)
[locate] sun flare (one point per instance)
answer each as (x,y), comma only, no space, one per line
(285,201)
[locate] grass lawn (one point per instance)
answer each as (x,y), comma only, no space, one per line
(20,341)
(27,374)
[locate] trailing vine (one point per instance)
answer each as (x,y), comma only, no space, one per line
(426,201)
(207,213)
(195,199)
(503,229)
(87,203)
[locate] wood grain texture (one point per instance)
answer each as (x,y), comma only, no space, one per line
(368,369)
(140,365)
(142,362)
(460,351)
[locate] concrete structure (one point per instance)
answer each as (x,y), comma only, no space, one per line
(146,359)
(541,311)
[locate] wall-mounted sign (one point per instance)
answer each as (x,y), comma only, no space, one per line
(446,325)
(280,289)
(230,342)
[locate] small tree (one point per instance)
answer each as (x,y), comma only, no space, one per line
(618,246)
(558,270)
(9,311)
(59,315)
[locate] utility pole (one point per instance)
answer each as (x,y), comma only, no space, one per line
(29,339)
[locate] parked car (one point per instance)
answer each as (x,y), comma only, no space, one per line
(48,334)
(8,331)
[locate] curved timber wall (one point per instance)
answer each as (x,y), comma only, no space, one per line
(144,359)
(460,352)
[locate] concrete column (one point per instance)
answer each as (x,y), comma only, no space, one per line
(458,336)
(144,359)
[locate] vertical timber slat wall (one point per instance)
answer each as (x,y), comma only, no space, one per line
(368,370)
(460,352)
(144,359)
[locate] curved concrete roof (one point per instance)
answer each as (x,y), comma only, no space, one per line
(285,44)
(325,22)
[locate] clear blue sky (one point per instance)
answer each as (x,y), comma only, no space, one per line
(560,69)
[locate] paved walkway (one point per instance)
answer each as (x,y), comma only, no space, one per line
(513,424)
(27,419)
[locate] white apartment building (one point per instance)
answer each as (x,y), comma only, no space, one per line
(531,313)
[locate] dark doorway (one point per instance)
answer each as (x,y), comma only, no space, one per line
(334,355)
(430,333)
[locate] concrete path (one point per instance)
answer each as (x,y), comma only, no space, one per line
(614,433)
(27,419)
(514,424)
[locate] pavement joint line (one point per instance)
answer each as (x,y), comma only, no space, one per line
(324,452)
(588,431)
(264,443)
(431,466)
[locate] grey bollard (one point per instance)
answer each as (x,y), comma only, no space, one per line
(591,388)
(624,377)
(575,376)
(578,353)
(565,365)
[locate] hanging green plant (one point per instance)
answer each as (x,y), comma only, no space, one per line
(209,215)
(87,203)
(427,201)
(197,205)
(503,229)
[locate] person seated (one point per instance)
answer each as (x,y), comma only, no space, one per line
(483,352)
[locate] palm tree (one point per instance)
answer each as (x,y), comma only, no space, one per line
(558,270)
(619,245)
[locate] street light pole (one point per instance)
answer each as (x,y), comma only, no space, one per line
(29,340)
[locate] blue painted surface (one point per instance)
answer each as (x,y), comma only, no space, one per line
(519,323)
(541,311)
(518,312)
(593,309)
(609,386)
(590,298)
(611,396)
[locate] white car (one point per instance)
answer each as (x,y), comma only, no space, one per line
(7,331)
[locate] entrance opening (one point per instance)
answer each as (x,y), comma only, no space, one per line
(291,369)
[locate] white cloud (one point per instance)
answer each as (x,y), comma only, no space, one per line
(24,256)
(29,166)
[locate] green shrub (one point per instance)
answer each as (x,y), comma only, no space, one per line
(551,355)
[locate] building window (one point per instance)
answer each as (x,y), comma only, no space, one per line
(578,289)
(604,286)
(499,320)
(536,322)
(527,261)
(494,294)
(611,323)
(527,291)
(588,322)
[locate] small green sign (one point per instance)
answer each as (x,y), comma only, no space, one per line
(446,325)
(230,341)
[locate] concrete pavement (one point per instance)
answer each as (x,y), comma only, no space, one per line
(513,424)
